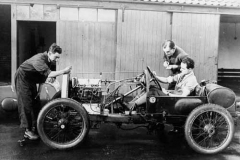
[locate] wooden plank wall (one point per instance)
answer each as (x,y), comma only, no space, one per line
(198,35)
(89,47)
(140,35)
(124,49)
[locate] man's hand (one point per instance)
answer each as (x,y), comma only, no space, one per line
(154,73)
(50,80)
(67,70)
(164,91)
(165,64)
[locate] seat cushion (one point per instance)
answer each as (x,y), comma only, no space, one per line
(186,105)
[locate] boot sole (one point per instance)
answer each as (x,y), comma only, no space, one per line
(28,137)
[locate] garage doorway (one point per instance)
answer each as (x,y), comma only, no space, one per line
(228,57)
(34,37)
(5,45)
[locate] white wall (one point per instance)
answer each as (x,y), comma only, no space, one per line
(229,48)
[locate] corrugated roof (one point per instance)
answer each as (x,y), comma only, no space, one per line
(228,3)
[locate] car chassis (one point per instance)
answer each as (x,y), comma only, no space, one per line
(207,119)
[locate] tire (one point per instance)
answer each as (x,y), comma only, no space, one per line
(63,123)
(209,129)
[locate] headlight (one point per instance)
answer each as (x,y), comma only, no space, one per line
(152,99)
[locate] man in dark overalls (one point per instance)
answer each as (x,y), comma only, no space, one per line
(30,73)
(172,58)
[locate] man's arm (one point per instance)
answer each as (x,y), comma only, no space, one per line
(60,72)
(55,73)
(179,59)
(173,66)
(165,79)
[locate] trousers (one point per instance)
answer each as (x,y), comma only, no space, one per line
(28,101)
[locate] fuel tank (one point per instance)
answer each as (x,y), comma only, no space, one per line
(9,104)
(220,95)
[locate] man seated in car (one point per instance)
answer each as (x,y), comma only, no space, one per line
(185,84)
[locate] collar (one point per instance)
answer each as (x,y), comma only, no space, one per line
(48,57)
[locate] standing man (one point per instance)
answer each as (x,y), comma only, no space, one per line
(31,72)
(173,56)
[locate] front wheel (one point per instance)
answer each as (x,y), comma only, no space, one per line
(63,123)
(209,129)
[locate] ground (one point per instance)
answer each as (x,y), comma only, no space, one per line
(110,142)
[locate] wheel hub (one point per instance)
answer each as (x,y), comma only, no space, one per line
(209,129)
(62,123)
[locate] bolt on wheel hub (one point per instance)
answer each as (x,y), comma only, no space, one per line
(210,129)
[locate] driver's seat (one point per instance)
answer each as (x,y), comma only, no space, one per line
(198,91)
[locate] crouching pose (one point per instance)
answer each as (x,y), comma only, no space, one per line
(185,83)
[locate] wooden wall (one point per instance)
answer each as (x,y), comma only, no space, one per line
(121,45)
(198,34)
(140,35)
(90,48)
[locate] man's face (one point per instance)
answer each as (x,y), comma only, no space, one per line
(168,51)
(184,68)
(54,57)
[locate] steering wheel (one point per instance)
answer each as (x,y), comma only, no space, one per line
(153,77)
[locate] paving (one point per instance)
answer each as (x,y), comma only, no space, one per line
(110,142)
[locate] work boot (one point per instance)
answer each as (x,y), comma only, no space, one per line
(30,135)
(34,130)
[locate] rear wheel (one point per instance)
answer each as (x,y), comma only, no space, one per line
(63,123)
(209,129)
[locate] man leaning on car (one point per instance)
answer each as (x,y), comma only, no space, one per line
(31,72)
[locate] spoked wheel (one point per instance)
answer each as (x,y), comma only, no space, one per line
(63,123)
(209,129)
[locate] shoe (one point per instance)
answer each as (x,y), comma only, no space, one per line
(34,130)
(30,135)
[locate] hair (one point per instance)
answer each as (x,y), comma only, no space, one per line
(55,48)
(190,63)
(169,43)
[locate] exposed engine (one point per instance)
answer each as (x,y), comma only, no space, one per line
(86,90)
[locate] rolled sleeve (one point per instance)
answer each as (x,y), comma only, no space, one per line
(174,78)
(170,79)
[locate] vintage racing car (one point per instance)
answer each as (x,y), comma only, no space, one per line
(207,117)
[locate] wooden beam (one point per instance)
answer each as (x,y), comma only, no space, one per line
(131,5)
(196,12)
(13,43)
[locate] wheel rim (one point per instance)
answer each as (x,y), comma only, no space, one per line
(63,124)
(209,130)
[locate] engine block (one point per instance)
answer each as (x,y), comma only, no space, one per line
(86,90)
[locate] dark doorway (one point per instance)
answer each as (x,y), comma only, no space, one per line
(34,37)
(5,45)
(228,57)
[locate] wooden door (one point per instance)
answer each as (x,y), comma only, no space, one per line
(140,35)
(198,35)
(89,47)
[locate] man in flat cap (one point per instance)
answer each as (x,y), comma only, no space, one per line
(33,71)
